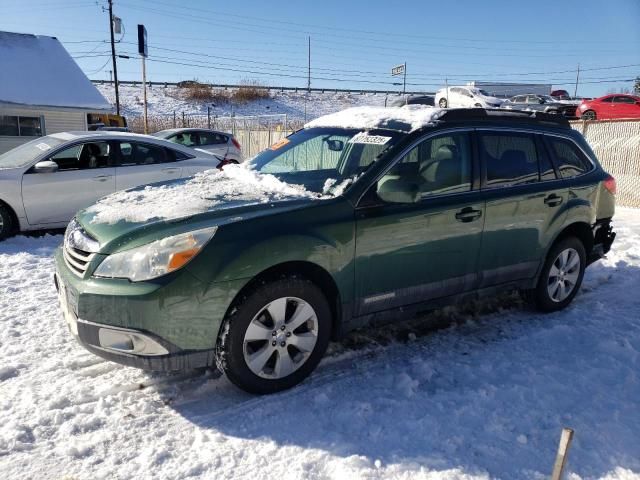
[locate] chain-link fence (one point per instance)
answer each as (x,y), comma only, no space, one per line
(617,146)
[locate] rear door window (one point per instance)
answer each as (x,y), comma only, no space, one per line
(212,138)
(132,153)
(569,159)
(509,159)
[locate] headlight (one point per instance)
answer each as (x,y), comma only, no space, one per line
(156,258)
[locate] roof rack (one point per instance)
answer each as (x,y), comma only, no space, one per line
(493,114)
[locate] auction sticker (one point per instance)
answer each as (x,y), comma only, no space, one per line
(280,144)
(364,137)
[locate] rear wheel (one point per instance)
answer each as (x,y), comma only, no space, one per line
(443,103)
(275,336)
(589,115)
(561,275)
(7,224)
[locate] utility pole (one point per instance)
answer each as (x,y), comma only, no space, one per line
(575,92)
(309,65)
(113,56)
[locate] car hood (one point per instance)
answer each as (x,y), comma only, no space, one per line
(126,234)
(143,214)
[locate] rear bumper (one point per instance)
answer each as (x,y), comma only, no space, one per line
(603,237)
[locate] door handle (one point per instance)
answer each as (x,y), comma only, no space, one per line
(170,170)
(101,178)
(468,214)
(553,200)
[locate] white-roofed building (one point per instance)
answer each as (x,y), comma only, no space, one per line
(42,90)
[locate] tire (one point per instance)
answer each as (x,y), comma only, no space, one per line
(7,223)
(259,349)
(588,115)
(561,276)
(442,103)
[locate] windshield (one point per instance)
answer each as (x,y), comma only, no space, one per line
(324,160)
(25,154)
(483,92)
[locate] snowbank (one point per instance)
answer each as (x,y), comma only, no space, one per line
(407,118)
(483,399)
(207,189)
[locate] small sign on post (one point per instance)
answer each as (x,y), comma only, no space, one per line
(401,70)
(397,70)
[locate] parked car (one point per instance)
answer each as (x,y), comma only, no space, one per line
(609,107)
(540,103)
(44,182)
(412,100)
(223,144)
(420,207)
(560,95)
(466,97)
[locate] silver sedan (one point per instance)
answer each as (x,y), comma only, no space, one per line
(220,143)
(44,182)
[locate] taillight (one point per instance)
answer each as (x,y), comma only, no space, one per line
(610,184)
(236,143)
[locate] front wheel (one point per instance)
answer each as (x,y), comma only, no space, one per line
(589,115)
(443,103)
(561,275)
(275,336)
(7,227)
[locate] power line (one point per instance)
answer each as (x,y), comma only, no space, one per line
(351,31)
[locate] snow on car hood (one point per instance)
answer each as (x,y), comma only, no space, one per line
(201,193)
(405,119)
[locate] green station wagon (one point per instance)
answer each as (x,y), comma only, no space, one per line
(364,216)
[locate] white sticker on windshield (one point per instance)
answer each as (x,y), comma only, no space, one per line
(364,137)
(43,146)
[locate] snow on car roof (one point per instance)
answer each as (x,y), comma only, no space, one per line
(198,194)
(37,70)
(405,119)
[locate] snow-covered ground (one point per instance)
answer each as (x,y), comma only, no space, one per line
(485,398)
(167,100)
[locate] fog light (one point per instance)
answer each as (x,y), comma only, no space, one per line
(129,342)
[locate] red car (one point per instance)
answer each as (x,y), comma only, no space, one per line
(610,106)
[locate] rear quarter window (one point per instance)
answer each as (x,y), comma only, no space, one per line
(569,159)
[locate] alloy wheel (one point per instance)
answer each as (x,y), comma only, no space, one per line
(280,338)
(563,275)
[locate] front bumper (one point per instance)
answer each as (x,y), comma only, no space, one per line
(167,325)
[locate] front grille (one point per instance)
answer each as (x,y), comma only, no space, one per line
(79,248)
(77,260)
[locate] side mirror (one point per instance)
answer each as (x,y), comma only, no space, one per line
(45,166)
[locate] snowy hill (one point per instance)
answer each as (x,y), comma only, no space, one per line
(164,101)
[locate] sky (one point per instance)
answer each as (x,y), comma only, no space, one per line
(353,44)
